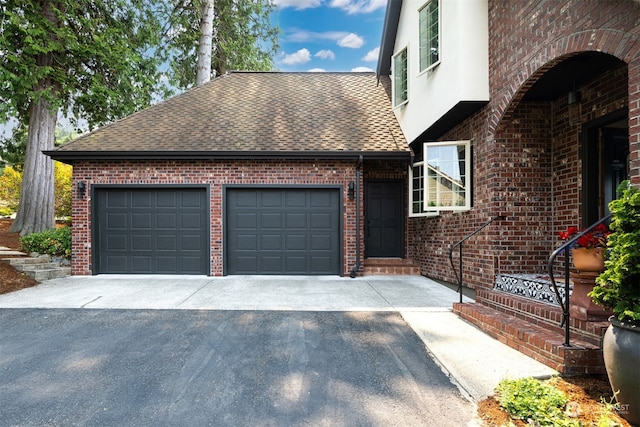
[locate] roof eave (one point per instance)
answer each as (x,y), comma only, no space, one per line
(70,156)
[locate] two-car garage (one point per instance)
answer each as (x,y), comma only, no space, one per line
(267,230)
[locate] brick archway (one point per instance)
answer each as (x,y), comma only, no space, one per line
(624,46)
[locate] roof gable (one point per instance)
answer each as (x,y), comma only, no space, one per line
(256,113)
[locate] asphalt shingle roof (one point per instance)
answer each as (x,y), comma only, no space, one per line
(258,114)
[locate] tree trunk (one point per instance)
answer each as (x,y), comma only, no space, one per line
(203,73)
(36,208)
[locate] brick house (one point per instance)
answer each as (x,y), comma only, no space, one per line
(252,173)
(542,98)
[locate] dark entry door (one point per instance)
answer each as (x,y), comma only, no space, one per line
(384,219)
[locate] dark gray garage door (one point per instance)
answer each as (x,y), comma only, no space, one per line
(283,231)
(152,230)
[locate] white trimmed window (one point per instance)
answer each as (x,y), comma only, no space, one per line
(400,80)
(442,180)
(429,27)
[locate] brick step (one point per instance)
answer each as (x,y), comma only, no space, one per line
(535,341)
(390,266)
(543,314)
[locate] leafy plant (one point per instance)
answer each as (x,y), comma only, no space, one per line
(55,242)
(10,187)
(62,189)
(531,399)
(618,287)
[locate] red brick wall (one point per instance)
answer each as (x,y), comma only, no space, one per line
(526,155)
(216,174)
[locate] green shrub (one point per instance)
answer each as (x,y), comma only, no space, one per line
(55,242)
(531,399)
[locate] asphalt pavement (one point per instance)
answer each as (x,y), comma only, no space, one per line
(244,351)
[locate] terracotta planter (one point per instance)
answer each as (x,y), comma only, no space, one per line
(588,259)
(621,351)
(581,306)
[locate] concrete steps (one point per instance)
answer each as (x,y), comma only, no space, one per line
(389,266)
(41,267)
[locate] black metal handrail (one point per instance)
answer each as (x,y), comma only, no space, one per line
(459,244)
(564,303)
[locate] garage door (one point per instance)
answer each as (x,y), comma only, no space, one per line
(283,231)
(152,231)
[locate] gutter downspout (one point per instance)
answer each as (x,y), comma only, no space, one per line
(356,267)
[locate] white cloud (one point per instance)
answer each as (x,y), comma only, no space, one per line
(301,36)
(325,54)
(353,7)
(361,70)
(352,41)
(298,4)
(372,55)
(300,57)
(317,70)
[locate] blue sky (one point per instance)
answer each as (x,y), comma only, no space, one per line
(329,35)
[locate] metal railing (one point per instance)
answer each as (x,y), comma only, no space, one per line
(564,302)
(459,245)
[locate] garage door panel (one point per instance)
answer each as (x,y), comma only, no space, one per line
(141,221)
(167,199)
(117,242)
(270,242)
(246,199)
(166,221)
(191,243)
(141,264)
(166,243)
(321,220)
(296,199)
(271,264)
(115,200)
(246,242)
(245,220)
(116,221)
(247,264)
(152,230)
(140,242)
(321,242)
(289,223)
(271,220)
(141,199)
(117,263)
(270,199)
(295,220)
(191,221)
(296,242)
(320,264)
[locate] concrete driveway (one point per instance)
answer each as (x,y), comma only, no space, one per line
(244,351)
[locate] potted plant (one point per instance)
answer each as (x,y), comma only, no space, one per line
(588,251)
(618,288)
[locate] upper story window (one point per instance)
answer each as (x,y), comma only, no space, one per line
(429,35)
(442,181)
(400,87)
